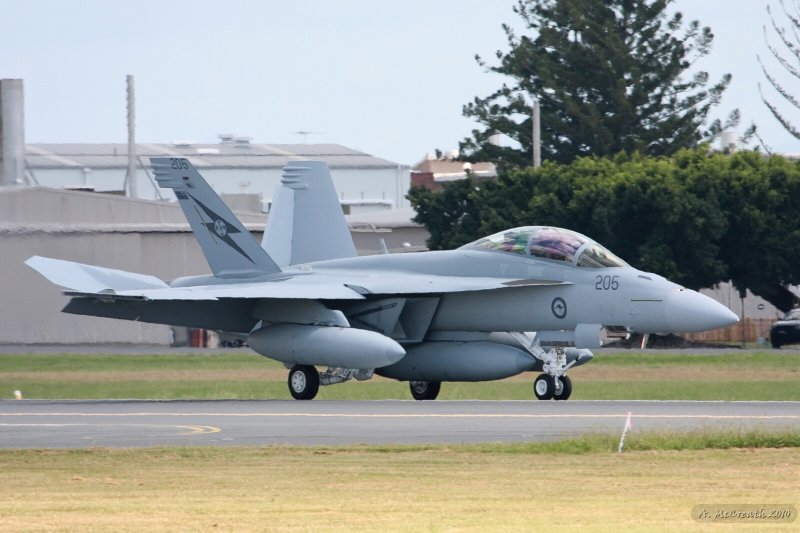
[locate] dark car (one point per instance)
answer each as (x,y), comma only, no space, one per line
(787,330)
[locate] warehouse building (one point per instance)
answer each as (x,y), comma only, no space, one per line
(233,166)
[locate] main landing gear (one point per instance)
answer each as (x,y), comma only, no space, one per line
(303,382)
(425,390)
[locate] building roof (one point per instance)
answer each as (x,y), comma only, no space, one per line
(219,155)
(392,218)
(449,169)
(43,209)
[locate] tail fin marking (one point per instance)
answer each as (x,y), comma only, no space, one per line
(229,248)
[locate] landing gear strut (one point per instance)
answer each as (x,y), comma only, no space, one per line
(425,390)
(553,384)
(303,382)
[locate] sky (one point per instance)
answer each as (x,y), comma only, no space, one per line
(388,78)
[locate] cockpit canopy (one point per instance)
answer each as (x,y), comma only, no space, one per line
(544,242)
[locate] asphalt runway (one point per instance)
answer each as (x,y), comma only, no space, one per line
(122,424)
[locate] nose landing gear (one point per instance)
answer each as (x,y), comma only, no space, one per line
(553,384)
(546,387)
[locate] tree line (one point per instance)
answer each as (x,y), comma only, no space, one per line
(697,217)
(625,127)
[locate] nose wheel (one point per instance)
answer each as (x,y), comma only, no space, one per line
(546,387)
(563,388)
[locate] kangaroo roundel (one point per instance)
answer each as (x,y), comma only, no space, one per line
(220,228)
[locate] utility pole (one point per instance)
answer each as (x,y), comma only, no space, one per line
(12,132)
(537,136)
(130,178)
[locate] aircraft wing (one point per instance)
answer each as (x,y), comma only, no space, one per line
(300,288)
(312,288)
(108,284)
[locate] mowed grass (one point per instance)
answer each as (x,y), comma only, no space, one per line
(573,485)
(241,374)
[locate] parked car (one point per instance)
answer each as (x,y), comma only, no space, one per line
(786,330)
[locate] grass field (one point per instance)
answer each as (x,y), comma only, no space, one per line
(245,375)
(566,486)
(579,484)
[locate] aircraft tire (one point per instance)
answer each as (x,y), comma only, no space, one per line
(425,390)
(565,390)
(303,382)
(544,387)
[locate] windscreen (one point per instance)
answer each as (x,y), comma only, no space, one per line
(595,256)
(556,244)
(513,240)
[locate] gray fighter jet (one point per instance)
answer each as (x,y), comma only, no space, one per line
(526,299)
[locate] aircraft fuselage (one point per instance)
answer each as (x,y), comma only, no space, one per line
(612,296)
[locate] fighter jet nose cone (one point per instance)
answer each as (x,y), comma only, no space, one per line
(689,311)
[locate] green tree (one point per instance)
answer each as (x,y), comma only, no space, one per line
(453,212)
(762,244)
(697,217)
(610,77)
(791,43)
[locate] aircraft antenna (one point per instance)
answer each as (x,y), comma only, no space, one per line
(306,133)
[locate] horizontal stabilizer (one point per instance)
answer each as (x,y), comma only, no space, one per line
(91,279)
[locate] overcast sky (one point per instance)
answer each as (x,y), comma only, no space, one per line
(386,78)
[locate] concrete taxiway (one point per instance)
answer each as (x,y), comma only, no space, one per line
(82,424)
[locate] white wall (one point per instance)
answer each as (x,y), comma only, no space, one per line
(30,307)
(351,184)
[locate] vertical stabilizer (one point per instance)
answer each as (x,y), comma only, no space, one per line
(231,251)
(306,222)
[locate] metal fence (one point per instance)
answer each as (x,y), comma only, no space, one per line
(747,330)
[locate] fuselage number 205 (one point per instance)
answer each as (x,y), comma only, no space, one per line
(606,283)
